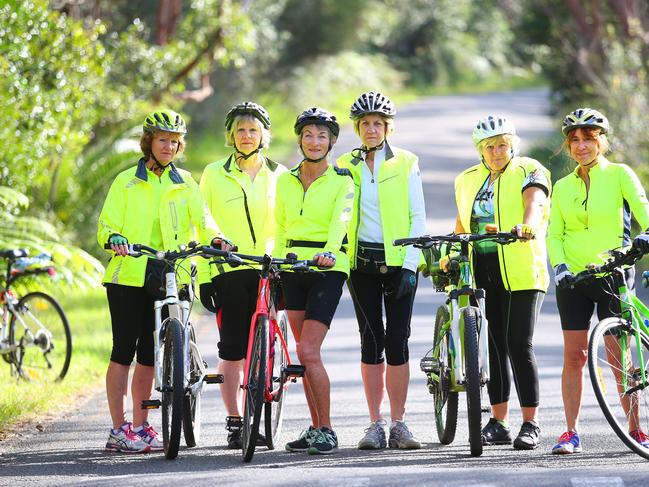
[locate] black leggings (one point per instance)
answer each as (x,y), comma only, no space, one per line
(237,295)
(369,292)
(512,317)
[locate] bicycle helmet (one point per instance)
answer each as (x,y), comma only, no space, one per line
(165,121)
(316,116)
(490,127)
(247,108)
(372,102)
(584,118)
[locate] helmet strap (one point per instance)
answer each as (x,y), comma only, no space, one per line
(362,152)
(241,155)
(314,161)
(156,164)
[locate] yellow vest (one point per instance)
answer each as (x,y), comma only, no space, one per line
(523,265)
(394,203)
(244,211)
(129,211)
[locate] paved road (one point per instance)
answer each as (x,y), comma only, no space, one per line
(69,452)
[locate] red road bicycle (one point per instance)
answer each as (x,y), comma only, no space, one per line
(268,368)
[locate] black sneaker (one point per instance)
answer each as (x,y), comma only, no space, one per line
(233,424)
(324,442)
(528,437)
(496,434)
(304,441)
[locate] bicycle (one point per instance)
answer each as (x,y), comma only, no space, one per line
(35,338)
(618,354)
(268,368)
(459,359)
(179,368)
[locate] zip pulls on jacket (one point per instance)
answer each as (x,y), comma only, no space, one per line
(297,176)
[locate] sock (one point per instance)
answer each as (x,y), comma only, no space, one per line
(138,429)
(503,423)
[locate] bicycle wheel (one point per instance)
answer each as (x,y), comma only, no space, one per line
(173,388)
(472,378)
(273,410)
(253,393)
(41,333)
(444,400)
(192,401)
(617,381)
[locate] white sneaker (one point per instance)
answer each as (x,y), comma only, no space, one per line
(151,437)
(125,440)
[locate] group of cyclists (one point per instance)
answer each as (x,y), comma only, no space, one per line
(345,215)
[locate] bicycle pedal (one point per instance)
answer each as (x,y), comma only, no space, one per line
(213,379)
(294,370)
(485,410)
(151,404)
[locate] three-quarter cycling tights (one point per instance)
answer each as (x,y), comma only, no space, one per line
(512,317)
(369,293)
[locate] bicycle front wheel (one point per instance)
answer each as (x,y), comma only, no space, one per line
(173,387)
(472,378)
(253,393)
(192,401)
(615,362)
(273,410)
(41,334)
(444,400)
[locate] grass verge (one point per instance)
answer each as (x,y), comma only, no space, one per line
(87,313)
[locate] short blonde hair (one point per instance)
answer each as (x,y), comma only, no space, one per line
(511,140)
(389,124)
(591,132)
(146,142)
(229,134)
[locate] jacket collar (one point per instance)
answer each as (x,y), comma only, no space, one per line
(602,163)
(389,154)
(271,165)
(141,172)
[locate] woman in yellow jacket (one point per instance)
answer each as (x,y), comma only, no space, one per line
(314,204)
(390,205)
(156,204)
(510,193)
(240,193)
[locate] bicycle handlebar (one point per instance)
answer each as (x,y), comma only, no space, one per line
(426,241)
(618,258)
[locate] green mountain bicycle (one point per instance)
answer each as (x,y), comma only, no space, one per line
(459,359)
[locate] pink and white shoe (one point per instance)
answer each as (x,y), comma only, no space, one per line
(125,440)
(151,437)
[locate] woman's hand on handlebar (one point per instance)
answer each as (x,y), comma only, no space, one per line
(524,232)
(325,260)
(118,244)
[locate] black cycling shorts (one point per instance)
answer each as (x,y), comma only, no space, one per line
(317,294)
(576,305)
(133,322)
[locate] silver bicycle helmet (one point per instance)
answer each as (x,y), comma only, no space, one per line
(372,102)
(491,126)
(584,118)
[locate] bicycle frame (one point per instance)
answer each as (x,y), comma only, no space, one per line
(459,299)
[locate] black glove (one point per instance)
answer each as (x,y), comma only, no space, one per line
(208,297)
(563,278)
(407,283)
(641,243)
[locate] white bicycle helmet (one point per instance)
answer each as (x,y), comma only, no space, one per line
(582,118)
(490,127)
(372,102)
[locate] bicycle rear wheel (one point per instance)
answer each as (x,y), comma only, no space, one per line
(253,393)
(472,378)
(40,331)
(192,401)
(173,387)
(274,409)
(617,381)
(445,401)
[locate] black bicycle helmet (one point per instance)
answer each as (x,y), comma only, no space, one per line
(316,116)
(247,108)
(372,102)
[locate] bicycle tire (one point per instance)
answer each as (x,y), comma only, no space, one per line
(472,379)
(173,387)
(41,333)
(253,393)
(445,401)
(273,410)
(192,402)
(604,364)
